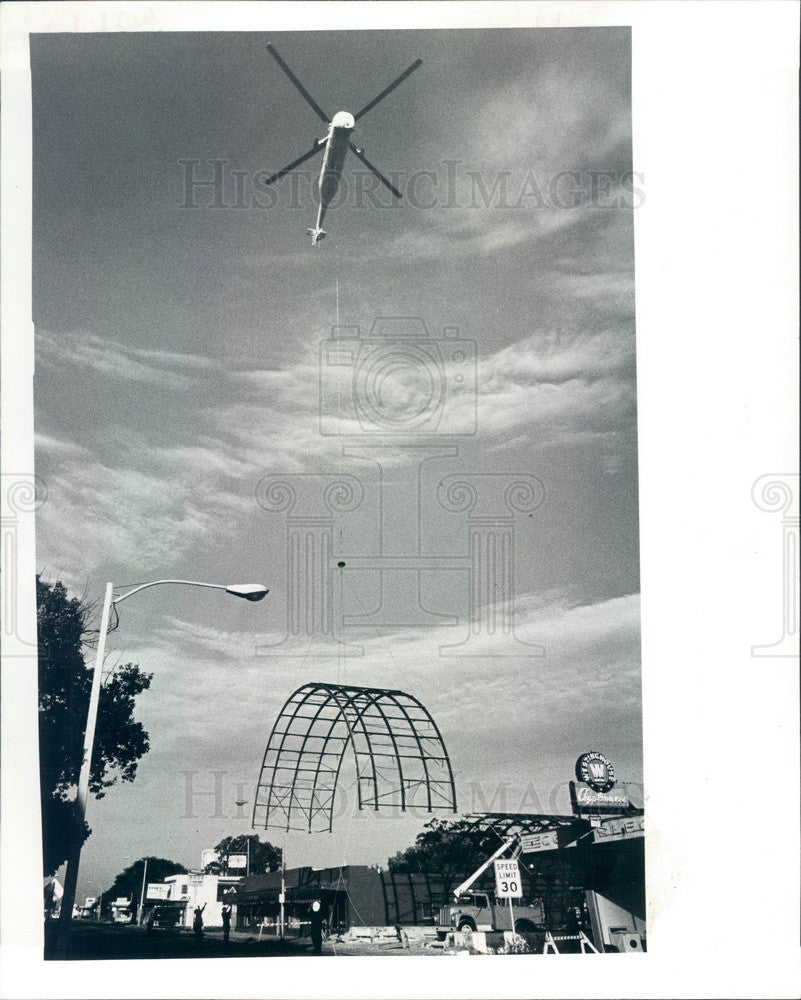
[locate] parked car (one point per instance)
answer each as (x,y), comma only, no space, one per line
(163,918)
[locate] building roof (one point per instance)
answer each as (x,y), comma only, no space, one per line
(300,883)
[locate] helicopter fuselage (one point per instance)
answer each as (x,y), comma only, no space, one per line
(336,147)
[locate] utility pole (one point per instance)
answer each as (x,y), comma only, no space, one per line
(142,899)
(239,804)
(283,892)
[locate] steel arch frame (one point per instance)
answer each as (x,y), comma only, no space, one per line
(397,746)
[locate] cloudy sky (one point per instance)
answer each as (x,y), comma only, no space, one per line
(179,367)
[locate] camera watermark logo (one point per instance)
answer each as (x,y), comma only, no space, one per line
(398,381)
(778,493)
(401,400)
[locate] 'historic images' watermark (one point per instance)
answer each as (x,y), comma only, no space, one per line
(220,185)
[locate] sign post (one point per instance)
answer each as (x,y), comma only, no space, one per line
(508,884)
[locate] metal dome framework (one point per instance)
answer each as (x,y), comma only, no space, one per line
(401,760)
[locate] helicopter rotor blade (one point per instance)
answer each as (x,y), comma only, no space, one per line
(388,90)
(301,89)
(317,148)
(375,170)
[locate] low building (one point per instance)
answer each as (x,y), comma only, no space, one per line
(121,911)
(194,889)
(350,894)
(353,896)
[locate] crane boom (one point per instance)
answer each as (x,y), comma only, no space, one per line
(508,842)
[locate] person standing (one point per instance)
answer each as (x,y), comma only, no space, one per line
(317,927)
(197,924)
(226,921)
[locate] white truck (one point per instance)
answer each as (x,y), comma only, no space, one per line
(479,911)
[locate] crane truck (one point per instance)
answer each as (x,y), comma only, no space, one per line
(480,911)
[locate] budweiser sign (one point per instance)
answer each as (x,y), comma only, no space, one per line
(585,798)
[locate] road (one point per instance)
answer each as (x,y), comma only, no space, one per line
(90,940)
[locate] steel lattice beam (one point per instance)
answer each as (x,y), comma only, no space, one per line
(509,824)
(397,746)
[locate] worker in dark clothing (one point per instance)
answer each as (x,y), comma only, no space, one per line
(197,924)
(226,921)
(317,926)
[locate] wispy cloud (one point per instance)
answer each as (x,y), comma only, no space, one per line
(120,361)
(546,389)
(557,390)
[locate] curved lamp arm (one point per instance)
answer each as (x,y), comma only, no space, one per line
(250,591)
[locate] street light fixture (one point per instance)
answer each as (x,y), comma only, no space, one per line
(248,591)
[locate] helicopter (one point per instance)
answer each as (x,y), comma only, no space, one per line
(334,145)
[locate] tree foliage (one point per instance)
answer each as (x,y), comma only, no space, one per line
(448,849)
(128,884)
(264,857)
(64,689)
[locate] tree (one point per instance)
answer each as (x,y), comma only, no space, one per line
(264,857)
(64,688)
(448,849)
(128,884)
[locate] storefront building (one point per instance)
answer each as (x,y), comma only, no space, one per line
(189,890)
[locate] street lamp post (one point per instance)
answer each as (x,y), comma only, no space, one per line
(248,591)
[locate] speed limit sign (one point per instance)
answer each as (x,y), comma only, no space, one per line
(507,880)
